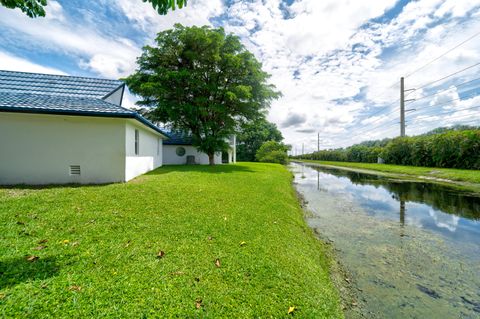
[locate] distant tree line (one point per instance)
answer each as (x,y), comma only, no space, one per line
(457,147)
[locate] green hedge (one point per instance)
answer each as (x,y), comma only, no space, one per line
(453,149)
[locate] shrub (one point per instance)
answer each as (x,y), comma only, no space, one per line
(398,151)
(451,148)
(272,152)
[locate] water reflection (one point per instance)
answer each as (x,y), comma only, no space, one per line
(435,207)
(412,248)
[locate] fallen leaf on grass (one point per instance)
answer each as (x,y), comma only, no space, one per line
(217,263)
(243,243)
(75,288)
(39,247)
(177,273)
(291,309)
(75,243)
(210,238)
(198,303)
(32,258)
(65,241)
(43,241)
(160,254)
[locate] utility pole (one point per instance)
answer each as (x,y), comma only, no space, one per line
(402,107)
(318,142)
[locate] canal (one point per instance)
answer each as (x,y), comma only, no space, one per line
(412,249)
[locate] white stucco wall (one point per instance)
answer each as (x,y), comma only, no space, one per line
(39,149)
(150,150)
(170,156)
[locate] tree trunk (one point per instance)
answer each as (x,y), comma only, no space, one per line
(211,158)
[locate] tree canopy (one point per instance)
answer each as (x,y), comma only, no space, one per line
(252,135)
(162,6)
(32,8)
(202,81)
(35,8)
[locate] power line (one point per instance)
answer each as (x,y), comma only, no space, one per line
(442,55)
(453,100)
(375,128)
(445,90)
(421,87)
(450,112)
(448,76)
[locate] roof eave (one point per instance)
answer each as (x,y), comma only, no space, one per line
(132,115)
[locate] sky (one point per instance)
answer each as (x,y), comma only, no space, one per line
(337,63)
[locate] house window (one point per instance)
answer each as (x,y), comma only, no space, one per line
(137,142)
(180,151)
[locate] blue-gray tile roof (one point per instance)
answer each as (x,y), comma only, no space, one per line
(177,138)
(17,101)
(35,83)
(58,94)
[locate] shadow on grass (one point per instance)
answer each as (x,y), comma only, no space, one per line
(210,169)
(52,186)
(166,169)
(14,271)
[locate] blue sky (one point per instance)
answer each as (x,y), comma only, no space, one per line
(337,62)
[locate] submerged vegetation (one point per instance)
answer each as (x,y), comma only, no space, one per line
(184,241)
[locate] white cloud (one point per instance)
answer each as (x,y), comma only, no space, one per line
(337,68)
(146,18)
(109,57)
(12,63)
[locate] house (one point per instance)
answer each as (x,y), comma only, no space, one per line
(178,149)
(62,129)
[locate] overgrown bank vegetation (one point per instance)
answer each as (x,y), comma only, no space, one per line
(456,148)
(187,241)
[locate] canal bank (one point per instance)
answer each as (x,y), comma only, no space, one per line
(411,248)
(468,180)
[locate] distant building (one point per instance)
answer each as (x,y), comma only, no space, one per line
(61,129)
(178,149)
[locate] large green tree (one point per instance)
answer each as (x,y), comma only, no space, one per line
(202,81)
(252,135)
(36,8)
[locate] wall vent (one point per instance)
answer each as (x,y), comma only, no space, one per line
(74,169)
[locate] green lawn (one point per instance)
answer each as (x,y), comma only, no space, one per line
(463,175)
(98,246)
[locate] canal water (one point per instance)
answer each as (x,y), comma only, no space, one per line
(412,249)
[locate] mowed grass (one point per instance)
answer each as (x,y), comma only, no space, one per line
(463,175)
(102,242)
